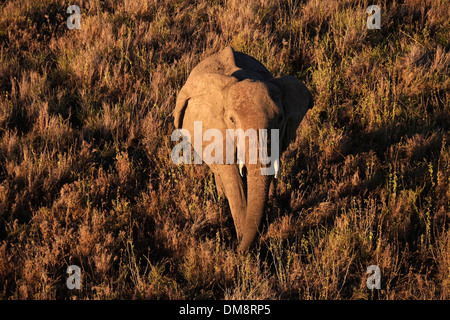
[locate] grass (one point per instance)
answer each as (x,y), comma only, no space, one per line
(86,176)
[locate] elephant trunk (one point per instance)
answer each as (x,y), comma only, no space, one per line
(257,191)
(233,188)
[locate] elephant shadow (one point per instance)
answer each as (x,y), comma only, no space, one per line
(314,200)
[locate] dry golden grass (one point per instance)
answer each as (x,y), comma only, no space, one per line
(86,176)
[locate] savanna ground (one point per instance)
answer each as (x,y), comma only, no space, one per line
(86,176)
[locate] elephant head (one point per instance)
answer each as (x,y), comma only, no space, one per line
(231,90)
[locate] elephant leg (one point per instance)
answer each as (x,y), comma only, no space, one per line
(219,185)
(273,191)
(272,198)
(233,188)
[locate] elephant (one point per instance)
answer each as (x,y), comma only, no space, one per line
(232,90)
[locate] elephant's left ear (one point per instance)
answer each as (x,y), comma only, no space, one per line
(296,101)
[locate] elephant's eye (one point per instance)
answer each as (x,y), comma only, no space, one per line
(233,120)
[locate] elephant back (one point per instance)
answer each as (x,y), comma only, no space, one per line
(232,63)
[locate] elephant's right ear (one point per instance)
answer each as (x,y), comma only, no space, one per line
(180,107)
(296,101)
(198,85)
